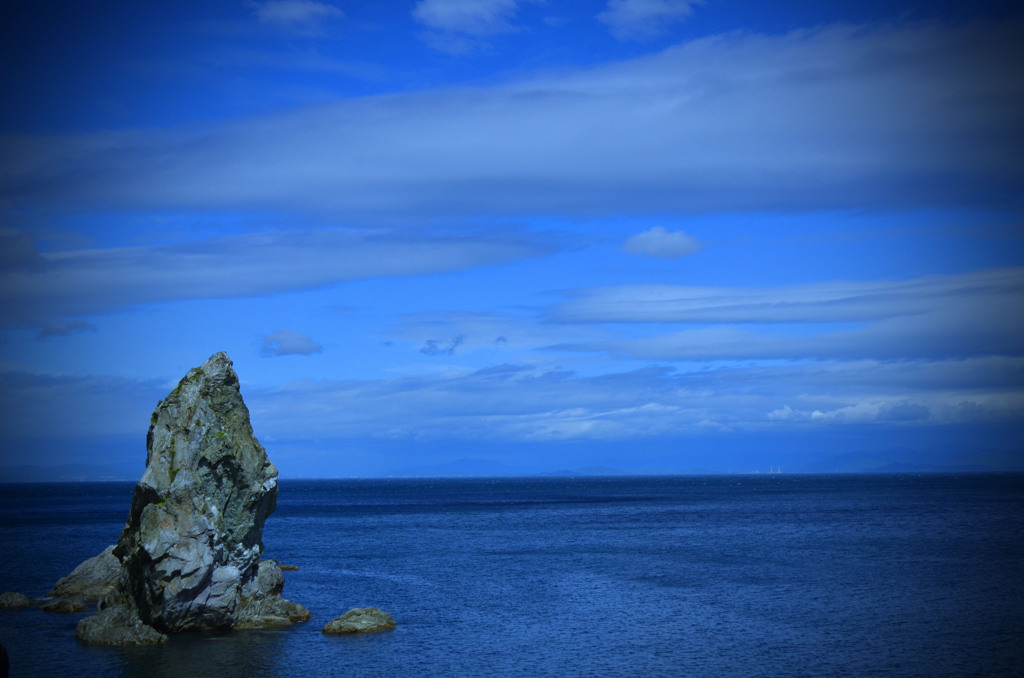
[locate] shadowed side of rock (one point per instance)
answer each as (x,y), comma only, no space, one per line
(189,555)
(117,623)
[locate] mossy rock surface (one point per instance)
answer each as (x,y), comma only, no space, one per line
(361,620)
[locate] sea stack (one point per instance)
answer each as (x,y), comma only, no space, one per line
(190,551)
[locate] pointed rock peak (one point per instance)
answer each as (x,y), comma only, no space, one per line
(218,368)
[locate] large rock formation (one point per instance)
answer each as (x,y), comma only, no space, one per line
(189,554)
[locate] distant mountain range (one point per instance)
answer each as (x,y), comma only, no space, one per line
(474,468)
(905,460)
(897,460)
(460,468)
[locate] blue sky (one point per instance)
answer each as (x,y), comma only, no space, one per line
(652,235)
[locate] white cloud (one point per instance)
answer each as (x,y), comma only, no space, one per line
(662,243)
(285,342)
(787,413)
(827,119)
(644,19)
(878,411)
(469,17)
(296,13)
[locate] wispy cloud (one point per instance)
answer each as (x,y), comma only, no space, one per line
(531,404)
(662,243)
(527,403)
(80,282)
(644,19)
(955,316)
(516,332)
(833,118)
(460,26)
(296,13)
(469,17)
(825,302)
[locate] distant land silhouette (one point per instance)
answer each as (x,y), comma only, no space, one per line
(895,460)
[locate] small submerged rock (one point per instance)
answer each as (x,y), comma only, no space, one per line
(12,600)
(361,620)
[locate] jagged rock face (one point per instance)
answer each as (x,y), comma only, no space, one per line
(191,547)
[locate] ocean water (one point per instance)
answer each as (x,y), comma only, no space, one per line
(771,575)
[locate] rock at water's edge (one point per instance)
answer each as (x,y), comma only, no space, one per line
(93,578)
(361,620)
(118,626)
(189,555)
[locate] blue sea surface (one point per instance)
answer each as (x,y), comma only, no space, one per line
(770,575)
